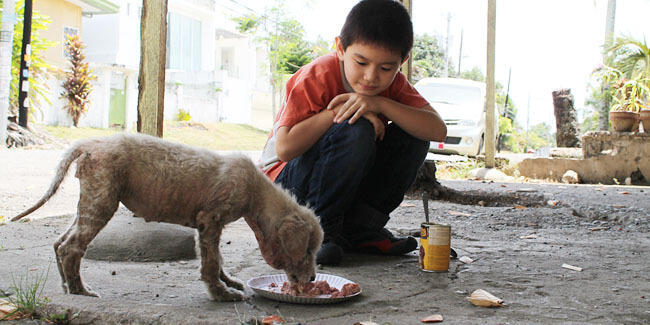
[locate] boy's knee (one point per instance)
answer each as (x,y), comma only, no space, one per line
(358,138)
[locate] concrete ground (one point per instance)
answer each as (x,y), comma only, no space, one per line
(518,254)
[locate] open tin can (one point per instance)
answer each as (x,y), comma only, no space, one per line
(435,242)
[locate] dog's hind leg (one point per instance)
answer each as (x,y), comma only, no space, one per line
(211,269)
(58,242)
(94,210)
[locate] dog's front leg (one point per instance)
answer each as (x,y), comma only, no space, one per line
(211,269)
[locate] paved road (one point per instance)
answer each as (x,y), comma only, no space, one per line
(518,254)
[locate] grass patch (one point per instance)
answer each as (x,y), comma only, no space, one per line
(27,294)
(215,136)
(456,169)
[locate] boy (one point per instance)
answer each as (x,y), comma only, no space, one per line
(331,145)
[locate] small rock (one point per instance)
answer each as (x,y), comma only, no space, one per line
(570,177)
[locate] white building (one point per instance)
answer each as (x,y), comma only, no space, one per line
(213,73)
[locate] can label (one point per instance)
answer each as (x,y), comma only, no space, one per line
(435,241)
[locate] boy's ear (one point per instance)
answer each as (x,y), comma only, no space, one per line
(339,48)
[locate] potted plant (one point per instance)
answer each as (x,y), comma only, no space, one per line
(628,97)
(631,57)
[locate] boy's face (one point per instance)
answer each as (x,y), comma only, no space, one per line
(369,69)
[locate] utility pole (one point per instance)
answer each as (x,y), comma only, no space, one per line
(527,123)
(25,53)
(446,71)
(460,52)
(603,117)
(505,110)
(6,44)
(490,97)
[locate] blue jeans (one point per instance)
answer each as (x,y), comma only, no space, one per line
(351,181)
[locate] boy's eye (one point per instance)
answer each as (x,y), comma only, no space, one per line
(361,63)
(386,69)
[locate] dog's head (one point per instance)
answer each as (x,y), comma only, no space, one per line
(293,244)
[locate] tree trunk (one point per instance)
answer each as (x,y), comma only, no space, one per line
(151,81)
(565,119)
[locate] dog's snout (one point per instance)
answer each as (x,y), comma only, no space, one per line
(313,277)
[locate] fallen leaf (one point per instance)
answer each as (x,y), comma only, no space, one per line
(528,236)
(552,202)
(599,189)
(407,205)
(483,298)
(8,311)
(571,267)
(619,206)
(624,192)
(481,203)
(526,190)
(366,323)
(466,259)
(598,228)
(3,219)
(273,319)
(457,213)
(436,318)
(520,207)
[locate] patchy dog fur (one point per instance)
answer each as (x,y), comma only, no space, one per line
(168,182)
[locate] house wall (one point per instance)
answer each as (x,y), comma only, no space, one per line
(61,13)
(209,95)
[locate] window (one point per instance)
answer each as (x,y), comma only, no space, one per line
(67,30)
(183,43)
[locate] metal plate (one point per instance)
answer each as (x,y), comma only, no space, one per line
(261,286)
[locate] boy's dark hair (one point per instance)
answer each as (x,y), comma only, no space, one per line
(385,23)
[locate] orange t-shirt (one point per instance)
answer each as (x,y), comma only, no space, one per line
(310,90)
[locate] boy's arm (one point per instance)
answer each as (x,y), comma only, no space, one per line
(294,141)
(423,123)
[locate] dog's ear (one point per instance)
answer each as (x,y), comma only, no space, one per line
(294,237)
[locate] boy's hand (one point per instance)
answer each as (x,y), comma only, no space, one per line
(353,106)
(377,124)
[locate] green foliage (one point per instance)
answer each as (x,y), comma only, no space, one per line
(246,24)
(183,115)
(77,84)
(284,38)
(626,75)
(475,74)
(428,57)
(27,293)
(38,68)
(590,113)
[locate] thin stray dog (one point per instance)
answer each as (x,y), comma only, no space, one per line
(168,182)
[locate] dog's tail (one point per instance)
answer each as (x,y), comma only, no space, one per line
(71,155)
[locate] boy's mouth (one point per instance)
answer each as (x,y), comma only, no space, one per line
(368,88)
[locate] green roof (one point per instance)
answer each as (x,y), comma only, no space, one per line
(101,6)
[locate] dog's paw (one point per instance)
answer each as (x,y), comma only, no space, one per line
(235,284)
(80,289)
(227,295)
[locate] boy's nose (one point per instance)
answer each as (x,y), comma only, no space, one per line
(370,75)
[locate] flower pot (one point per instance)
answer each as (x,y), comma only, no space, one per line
(623,121)
(644,116)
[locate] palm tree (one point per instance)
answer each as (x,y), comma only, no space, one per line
(631,57)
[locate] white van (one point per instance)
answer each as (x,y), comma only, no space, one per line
(461,104)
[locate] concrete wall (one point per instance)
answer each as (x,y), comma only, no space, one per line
(607,156)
